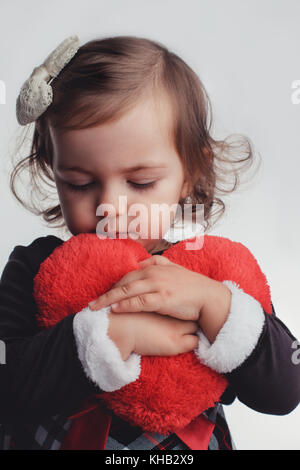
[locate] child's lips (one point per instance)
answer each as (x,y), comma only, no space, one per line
(117,234)
(126,235)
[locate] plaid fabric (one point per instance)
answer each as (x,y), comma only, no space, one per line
(50,434)
(122,436)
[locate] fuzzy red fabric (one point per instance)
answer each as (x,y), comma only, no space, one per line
(171,391)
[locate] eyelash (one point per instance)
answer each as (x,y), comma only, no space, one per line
(136,186)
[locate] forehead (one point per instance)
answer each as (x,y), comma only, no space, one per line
(144,131)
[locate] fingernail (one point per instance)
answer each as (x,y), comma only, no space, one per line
(115,305)
(92,303)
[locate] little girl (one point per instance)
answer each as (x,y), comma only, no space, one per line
(125,116)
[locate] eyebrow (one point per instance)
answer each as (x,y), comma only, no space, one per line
(124,170)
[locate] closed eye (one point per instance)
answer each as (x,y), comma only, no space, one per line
(82,187)
(136,186)
(142,186)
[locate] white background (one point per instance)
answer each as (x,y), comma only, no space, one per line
(247,55)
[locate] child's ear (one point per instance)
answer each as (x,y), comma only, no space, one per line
(185,190)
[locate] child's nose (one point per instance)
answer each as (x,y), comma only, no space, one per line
(108,199)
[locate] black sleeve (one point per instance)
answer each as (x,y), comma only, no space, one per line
(268,381)
(42,374)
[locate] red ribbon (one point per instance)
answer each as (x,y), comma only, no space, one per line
(90,429)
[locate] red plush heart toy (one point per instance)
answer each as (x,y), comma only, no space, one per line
(170,391)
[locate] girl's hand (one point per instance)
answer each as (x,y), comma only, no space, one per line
(158,286)
(150,334)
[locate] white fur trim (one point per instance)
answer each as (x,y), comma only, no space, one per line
(100,357)
(237,337)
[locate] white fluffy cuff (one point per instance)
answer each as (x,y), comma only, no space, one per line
(237,337)
(100,357)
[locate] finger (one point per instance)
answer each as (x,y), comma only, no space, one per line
(189,343)
(142,303)
(104,299)
(118,294)
(131,276)
(189,327)
(155,259)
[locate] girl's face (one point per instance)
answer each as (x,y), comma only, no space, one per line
(132,157)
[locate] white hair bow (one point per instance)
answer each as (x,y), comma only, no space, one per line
(36,93)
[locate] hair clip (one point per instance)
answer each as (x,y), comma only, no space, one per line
(36,93)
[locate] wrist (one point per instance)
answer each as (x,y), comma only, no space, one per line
(215,309)
(120,332)
(238,336)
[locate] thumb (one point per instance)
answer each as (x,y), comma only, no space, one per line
(189,343)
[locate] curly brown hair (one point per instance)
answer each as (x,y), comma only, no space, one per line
(103,81)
